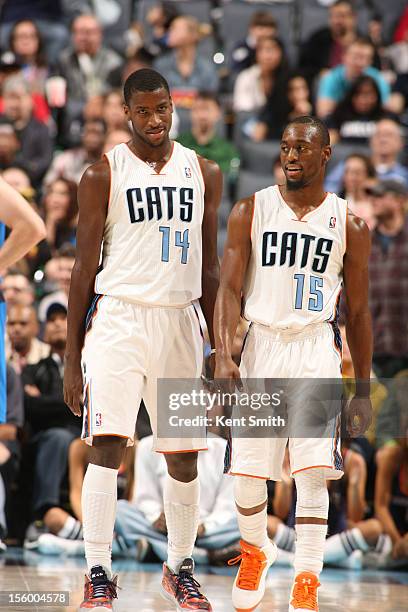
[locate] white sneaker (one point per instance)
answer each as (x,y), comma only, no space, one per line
(249,584)
(49,544)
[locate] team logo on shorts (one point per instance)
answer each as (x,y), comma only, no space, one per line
(187,172)
(332,222)
(98,419)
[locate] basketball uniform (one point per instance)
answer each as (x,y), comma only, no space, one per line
(142,325)
(3,314)
(291,293)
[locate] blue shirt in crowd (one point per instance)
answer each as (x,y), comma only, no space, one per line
(334,84)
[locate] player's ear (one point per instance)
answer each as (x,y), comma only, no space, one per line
(171,104)
(326,154)
(126,110)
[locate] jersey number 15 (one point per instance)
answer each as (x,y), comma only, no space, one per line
(315,301)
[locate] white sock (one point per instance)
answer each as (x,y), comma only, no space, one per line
(182,511)
(285,538)
(253,528)
(309,548)
(72,529)
(340,546)
(99,493)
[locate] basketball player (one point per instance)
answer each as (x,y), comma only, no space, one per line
(26,230)
(152,204)
(289,249)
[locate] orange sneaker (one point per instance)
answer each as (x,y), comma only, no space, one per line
(249,584)
(304,593)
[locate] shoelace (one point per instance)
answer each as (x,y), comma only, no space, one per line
(249,570)
(103,589)
(305,596)
(187,583)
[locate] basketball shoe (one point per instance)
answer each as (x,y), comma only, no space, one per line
(249,584)
(304,593)
(99,591)
(182,588)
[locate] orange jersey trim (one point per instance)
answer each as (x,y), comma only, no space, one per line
(249,475)
(190,450)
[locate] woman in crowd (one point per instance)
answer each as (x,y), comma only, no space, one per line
(27,45)
(61,212)
(359,174)
(354,118)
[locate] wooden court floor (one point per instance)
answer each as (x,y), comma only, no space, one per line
(341,591)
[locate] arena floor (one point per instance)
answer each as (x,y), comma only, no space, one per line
(140,585)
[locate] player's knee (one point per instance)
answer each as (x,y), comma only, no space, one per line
(182,466)
(249,492)
(312,494)
(108,451)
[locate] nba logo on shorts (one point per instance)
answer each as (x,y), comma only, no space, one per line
(187,172)
(332,222)
(98,419)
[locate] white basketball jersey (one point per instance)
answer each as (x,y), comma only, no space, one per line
(152,250)
(295,270)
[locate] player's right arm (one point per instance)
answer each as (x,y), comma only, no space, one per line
(233,268)
(93,197)
(27,228)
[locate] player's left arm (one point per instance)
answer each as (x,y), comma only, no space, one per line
(27,228)
(210,277)
(358,322)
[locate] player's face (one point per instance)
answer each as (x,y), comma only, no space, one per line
(150,113)
(302,155)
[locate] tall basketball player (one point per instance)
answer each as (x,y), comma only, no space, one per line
(289,250)
(26,230)
(152,205)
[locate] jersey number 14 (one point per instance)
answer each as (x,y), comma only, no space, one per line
(180,241)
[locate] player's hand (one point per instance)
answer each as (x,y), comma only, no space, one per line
(200,531)
(73,385)
(227,374)
(358,415)
(160,524)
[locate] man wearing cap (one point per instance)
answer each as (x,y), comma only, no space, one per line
(52,426)
(388,278)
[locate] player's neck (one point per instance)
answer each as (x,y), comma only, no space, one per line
(310,196)
(153,154)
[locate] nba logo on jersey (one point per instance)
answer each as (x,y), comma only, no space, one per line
(98,419)
(332,222)
(187,172)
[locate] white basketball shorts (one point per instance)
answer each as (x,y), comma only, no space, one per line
(127,348)
(313,353)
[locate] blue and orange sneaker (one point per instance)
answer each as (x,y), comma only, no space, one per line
(182,589)
(99,591)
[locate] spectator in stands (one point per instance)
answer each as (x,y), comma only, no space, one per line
(262,24)
(34,136)
(19,179)
(60,212)
(256,84)
(27,45)
(10,146)
(391,496)
(326,47)
(71,164)
(355,117)
(388,269)
(203,138)
(359,174)
(116,137)
(290,99)
(52,425)
(398,54)
(86,65)
(112,111)
(10,445)
(22,331)
(160,17)
(58,275)
(334,85)
(118,76)
(386,146)
(186,70)
(17,289)
(47,14)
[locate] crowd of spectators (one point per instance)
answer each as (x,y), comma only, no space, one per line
(62,68)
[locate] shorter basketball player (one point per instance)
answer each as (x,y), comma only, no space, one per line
(289,249)
(27,229)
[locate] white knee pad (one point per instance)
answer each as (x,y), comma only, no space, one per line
(249,492)
(312,494)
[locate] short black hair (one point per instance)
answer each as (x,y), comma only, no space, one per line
(208,95)
(348,2)
(144,79)
(320,127)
